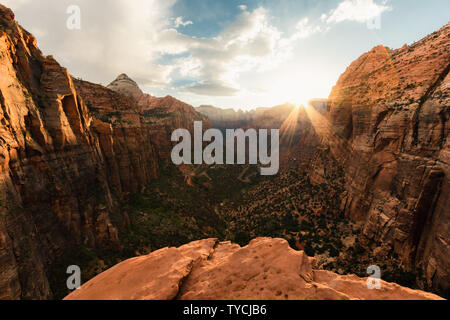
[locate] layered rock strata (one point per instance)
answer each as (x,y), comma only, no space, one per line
(388,124)
(69,151)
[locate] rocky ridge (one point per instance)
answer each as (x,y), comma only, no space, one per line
(266,269)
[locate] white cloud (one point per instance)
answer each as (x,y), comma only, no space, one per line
(14,4)
(179,22)
(210,88)
(305,29)
(136,42)
(248,43)
(357,10)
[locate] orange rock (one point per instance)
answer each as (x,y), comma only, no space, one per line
(266,269)
(389,124)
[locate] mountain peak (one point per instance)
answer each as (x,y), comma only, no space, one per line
(125,85)
(6,13)
(123,78)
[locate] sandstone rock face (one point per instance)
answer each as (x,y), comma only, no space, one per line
(388,124)
(170,111)
(266,269)
(124,138)
(69,151)
(49,164)
(162,115)
(134,129)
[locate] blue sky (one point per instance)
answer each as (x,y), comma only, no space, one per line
(228,53)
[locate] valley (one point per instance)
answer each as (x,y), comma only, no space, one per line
(86,176)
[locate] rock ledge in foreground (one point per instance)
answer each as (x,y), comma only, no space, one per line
(266,269)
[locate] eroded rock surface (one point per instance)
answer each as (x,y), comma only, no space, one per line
(388,124)
(69,152)
(266,269)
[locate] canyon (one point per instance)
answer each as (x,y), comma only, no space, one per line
(86,179)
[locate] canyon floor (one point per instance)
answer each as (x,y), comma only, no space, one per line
(235,203)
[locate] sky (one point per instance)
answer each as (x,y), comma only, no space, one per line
(226,53)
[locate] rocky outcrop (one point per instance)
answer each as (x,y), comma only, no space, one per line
(266,269)
(124,138)
(166,111)
(161,116)
(388,124)
(69,151)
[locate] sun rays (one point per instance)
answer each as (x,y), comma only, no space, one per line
(288,128)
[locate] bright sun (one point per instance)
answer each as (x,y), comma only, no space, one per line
(290,89)
(289,94)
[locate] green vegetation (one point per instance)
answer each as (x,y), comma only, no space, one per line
(236,203)
(153,226)
(168,213)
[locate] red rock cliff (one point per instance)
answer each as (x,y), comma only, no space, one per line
(69,150)
(389,114)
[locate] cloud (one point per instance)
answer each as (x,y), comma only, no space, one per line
(139,38)
(179,22)
(357,10)
(145,40)
(250,42)
(210,88)
(304,29)
(14,3)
